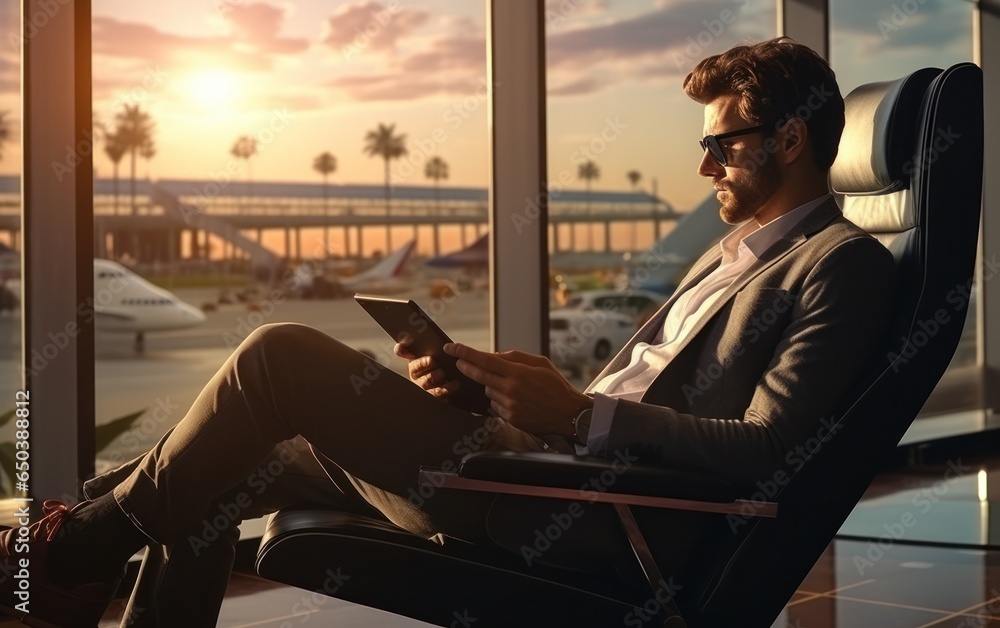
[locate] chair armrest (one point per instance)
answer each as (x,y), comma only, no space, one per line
(619,480)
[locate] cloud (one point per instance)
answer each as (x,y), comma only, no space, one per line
(252,44)
(452,65)
(409,87)
(876,29)
(579,86)
(10,74)
(558,11)
(259,25)
(651,34)
(410,66)
(371,26)
(659,44)
(449,54)
(641,48)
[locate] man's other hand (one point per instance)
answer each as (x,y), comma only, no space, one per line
(526,390)
(424,372)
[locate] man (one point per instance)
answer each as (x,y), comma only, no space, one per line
(762,338)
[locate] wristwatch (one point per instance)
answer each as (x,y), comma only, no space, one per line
(581,426)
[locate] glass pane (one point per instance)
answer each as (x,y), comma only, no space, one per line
(10,230)
(884,40)
(246,175)
(623,154)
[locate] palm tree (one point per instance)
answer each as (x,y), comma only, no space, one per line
(634,176)
(147,151)
(383,143)
(245,148)
(325,164)
(115,149)
(135,130)
(436,169)
(588,171)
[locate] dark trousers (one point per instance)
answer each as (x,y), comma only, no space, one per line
(296,418)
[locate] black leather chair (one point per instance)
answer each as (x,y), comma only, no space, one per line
(910,167)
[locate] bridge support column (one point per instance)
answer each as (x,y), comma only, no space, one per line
(607,236)
(461,227)
(260,236)
(298,244)
(555,237)
(347,241)
(173,247)
(288,244)
(437,240)
(100,245)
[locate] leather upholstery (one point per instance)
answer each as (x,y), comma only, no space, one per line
(879,135)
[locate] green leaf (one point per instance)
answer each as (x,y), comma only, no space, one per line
(7,453)
(113,429)
(6,417)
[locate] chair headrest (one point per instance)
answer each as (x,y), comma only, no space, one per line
(876,153)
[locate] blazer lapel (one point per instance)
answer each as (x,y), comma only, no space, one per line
(652,326)
(812,223)
(816,220)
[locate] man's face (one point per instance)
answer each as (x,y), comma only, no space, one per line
(751,175)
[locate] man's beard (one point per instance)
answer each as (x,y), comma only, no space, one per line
(745,195)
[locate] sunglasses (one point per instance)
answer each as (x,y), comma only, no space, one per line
(712,144)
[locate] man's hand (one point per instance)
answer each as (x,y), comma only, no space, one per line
(425,372)
(524,389)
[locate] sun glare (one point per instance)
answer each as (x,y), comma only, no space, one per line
(213,89)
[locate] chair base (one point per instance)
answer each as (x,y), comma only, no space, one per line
(373,563)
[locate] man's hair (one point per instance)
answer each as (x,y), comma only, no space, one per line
(774,81)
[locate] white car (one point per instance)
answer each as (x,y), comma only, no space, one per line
(595,324)
(585,340)
(639,304)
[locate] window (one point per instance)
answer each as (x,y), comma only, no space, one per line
(10,239)
(262,163)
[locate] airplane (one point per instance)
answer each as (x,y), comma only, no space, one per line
(124,302)
(464,269)
(385,277)
(662,267)
(476,256)
(658,269)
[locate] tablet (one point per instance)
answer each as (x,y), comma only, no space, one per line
(401,318)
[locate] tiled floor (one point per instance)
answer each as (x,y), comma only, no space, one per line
(909,586)
(857,583)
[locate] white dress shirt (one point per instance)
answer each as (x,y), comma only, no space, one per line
(740,248)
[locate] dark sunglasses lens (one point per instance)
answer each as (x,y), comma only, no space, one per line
(715,149)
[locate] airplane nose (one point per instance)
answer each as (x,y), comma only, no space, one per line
(194,313)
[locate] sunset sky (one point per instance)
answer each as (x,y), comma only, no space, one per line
(209,71)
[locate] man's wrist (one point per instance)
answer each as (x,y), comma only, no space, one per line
(581,426)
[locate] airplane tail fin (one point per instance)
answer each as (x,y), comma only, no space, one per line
(392,265)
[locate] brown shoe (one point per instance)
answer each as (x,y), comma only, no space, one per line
(27,595)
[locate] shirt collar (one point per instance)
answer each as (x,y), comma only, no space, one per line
(757,239)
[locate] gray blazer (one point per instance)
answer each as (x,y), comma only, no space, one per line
(752,390)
